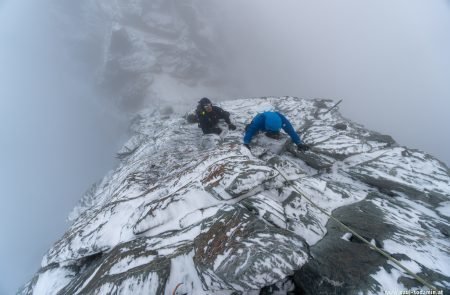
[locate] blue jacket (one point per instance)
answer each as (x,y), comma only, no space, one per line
(258,124)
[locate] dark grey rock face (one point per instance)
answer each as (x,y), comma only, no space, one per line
(203,215)
(346,265)
(315,160)
(341,266)
(340,126)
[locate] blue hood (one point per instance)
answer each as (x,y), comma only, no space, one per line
(272,122)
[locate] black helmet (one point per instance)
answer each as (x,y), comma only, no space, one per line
(204,101)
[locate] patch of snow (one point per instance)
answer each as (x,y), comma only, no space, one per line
(53,280)
(129,262)
(184,275)
(388,280)
(347,236)
(444,208)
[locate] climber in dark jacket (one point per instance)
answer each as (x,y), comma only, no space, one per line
(271,123)
(209,115)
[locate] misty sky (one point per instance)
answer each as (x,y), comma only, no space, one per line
(56,140)
(388,60)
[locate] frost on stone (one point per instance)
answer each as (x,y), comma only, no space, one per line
(408,171)
(220,219)
(245,252)
(167,209)
(267,209)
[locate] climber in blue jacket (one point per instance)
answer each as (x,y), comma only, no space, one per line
(271,123)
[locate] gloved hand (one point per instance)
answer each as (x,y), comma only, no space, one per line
(231,127)
(247,146)
(303,147)
(216,130)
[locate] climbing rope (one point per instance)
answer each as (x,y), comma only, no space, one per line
(374,247)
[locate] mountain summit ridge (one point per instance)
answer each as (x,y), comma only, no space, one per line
(200,214)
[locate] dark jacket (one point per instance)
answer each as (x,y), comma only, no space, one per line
(258,124)
(208,121)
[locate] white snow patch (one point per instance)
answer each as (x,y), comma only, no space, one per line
(51,281)
(184,275)
(347,236)
(444,208)
(389,280)
(198,215)
(129,262)
(220,258)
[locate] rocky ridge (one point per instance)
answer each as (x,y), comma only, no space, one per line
(200,214)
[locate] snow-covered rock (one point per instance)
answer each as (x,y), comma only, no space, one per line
(203,215)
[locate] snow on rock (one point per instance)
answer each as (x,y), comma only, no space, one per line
(180,214)
(51,280)
(242,250)
(267,209)
(347,236)
(409,171)
(418,234)
(444,209)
